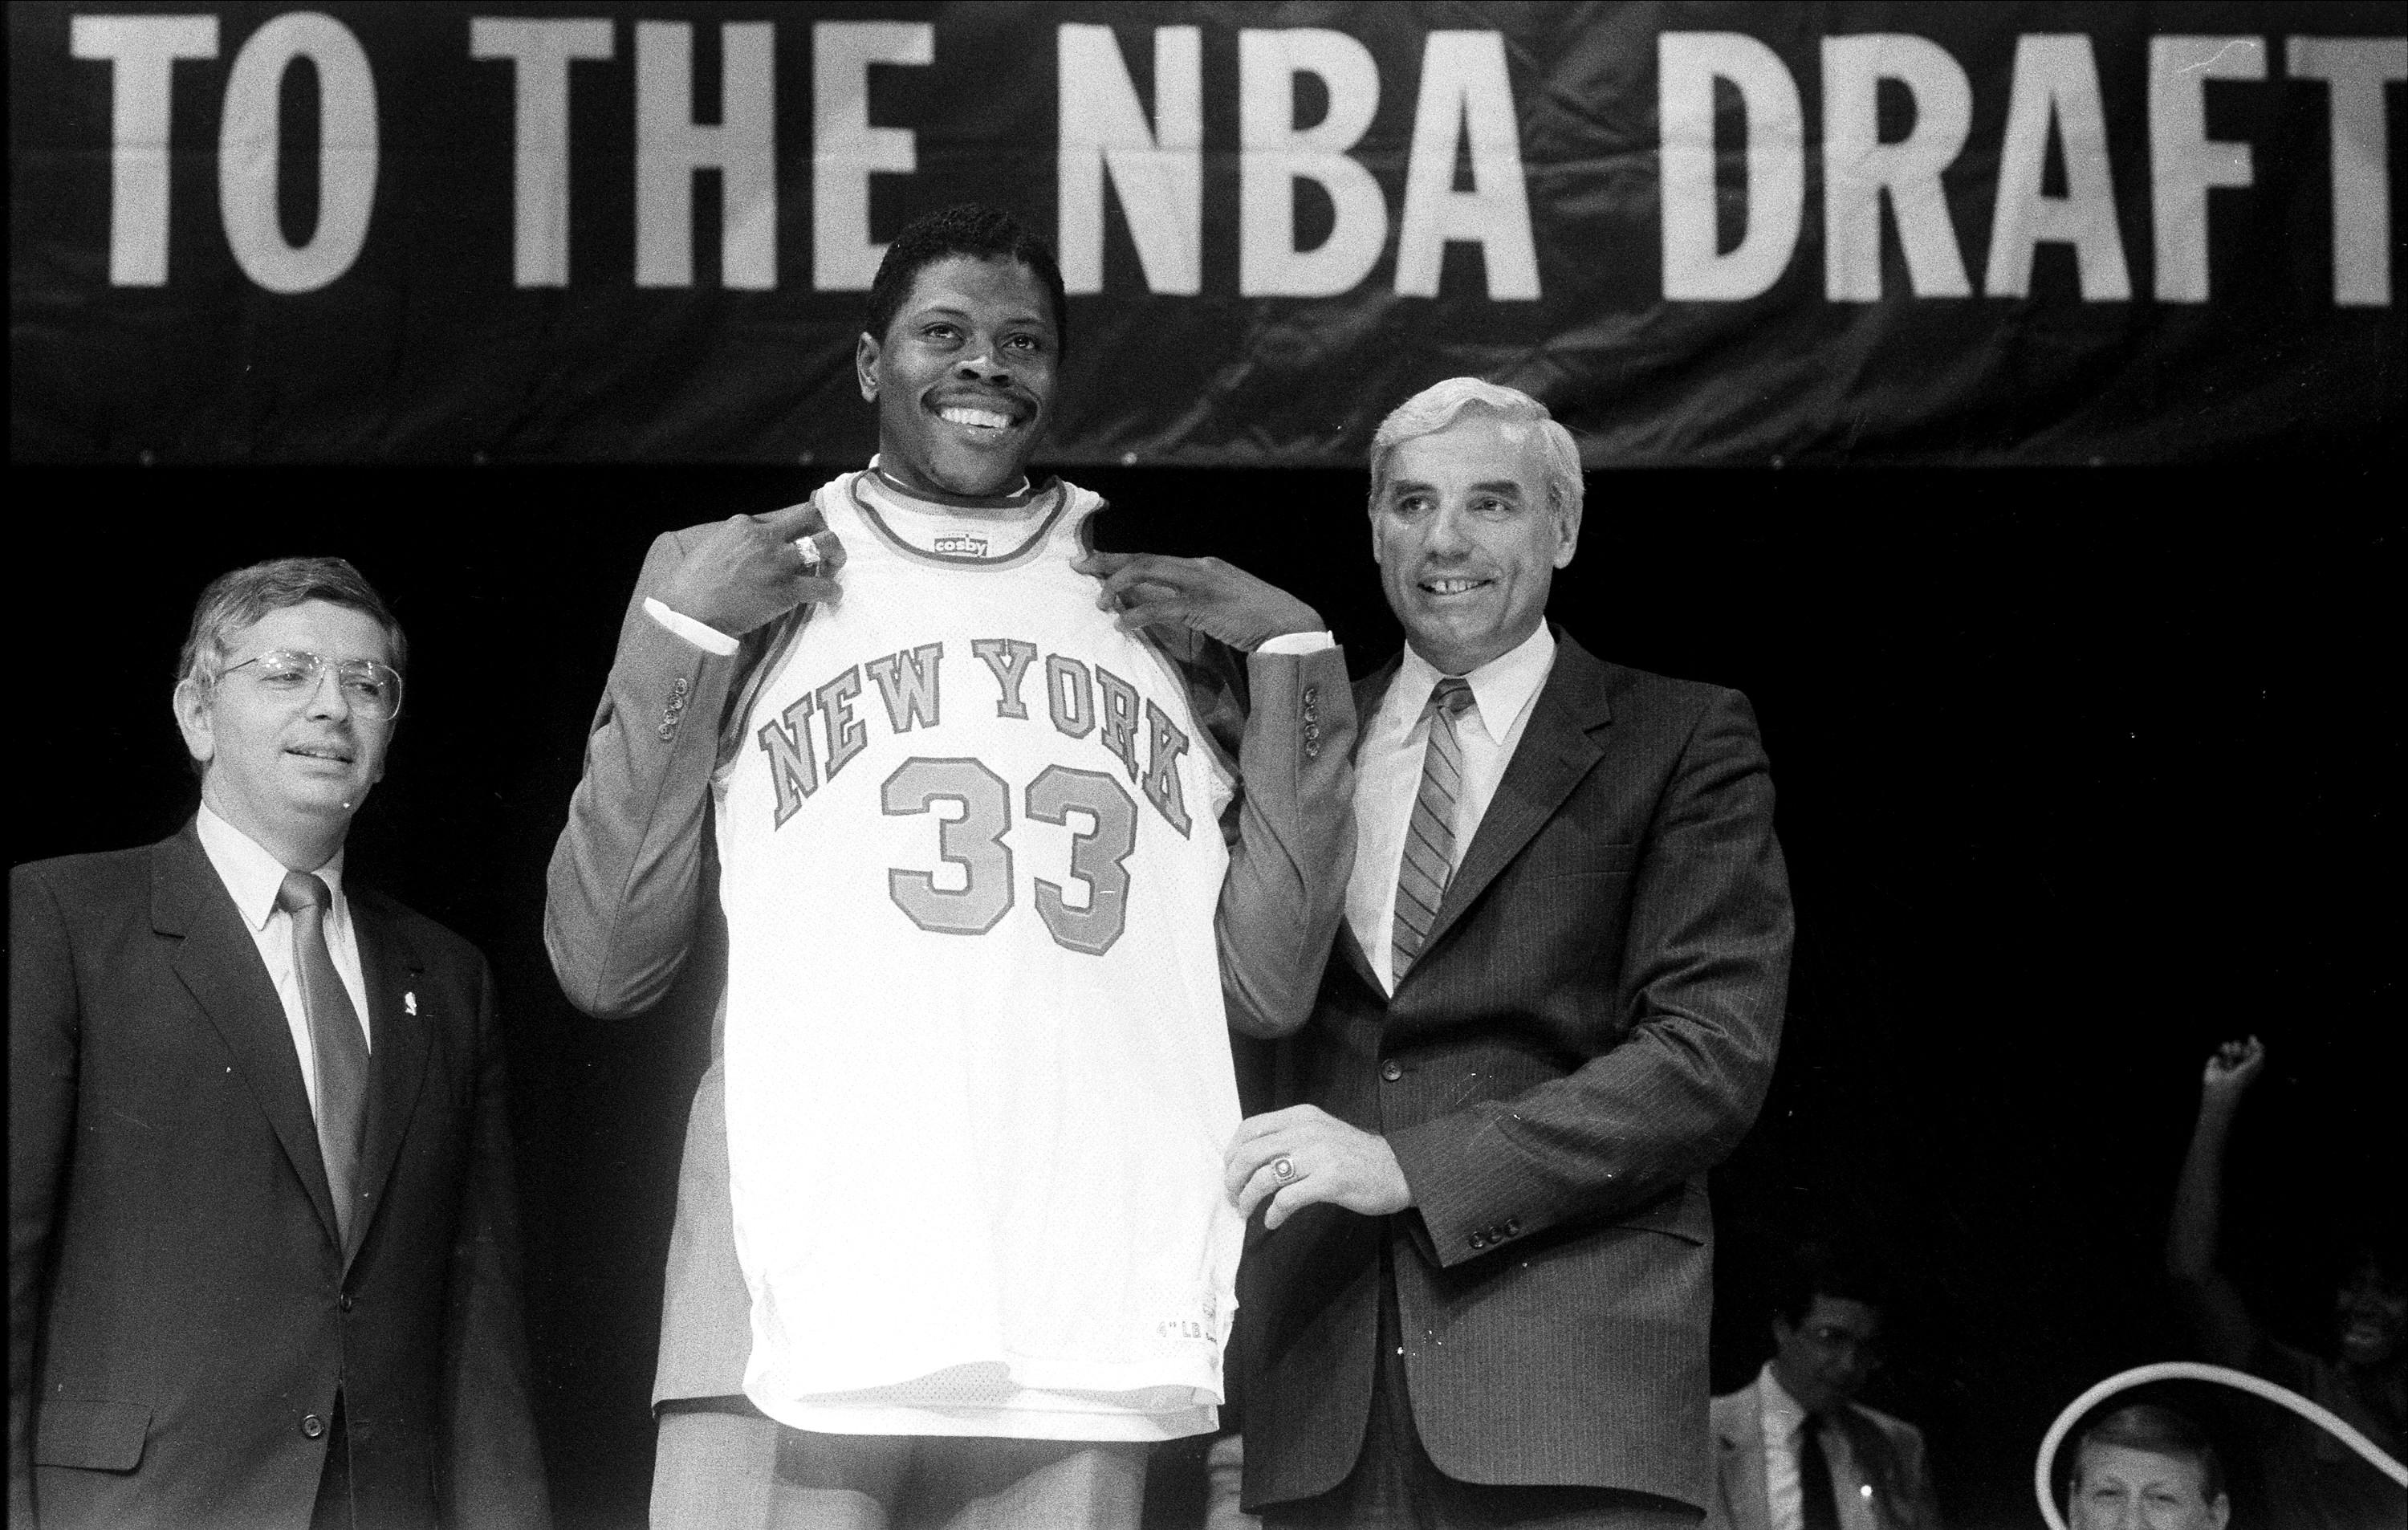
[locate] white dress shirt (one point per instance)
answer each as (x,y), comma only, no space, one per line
(1786,1421)
(1388,774)
(254,877)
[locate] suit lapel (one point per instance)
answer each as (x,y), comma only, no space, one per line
(1875,1464)
(218,962)
(1554,752)
(394,976)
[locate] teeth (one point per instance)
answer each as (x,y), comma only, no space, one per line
(988,417)
(1450,587)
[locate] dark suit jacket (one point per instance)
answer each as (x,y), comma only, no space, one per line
(632,922)
(180,1314)
(1590,1026)
(1894,1471)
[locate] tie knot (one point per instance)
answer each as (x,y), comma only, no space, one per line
(1451,695)
(301,891)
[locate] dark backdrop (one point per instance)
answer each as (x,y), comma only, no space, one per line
(2079,772)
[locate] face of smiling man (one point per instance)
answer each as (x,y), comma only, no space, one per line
(289,769)
(964,377)
(1468,539)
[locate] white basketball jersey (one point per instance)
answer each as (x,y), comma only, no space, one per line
(979,1082)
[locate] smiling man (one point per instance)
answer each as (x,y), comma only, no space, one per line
(1479,1295)
(262,1249)
(958,863)
(2145,1466)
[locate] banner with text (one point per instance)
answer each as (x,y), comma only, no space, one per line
(1702,232)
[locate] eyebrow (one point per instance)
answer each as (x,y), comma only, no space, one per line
(947,310)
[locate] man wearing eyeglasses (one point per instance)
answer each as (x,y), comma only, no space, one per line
(1794,1449)
(263,1251)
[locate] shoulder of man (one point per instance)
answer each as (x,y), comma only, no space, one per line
(1898,1429)
(94,880)
(1731,1412)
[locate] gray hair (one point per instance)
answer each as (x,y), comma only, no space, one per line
(235,601)
(1441,404)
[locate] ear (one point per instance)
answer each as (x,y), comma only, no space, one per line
(1568,524)
(864,367)
(197,720)
(1782,1331)
(2218,1510)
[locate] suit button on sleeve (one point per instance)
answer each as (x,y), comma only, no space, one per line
(1513,1227)
(346,1302)
(1392,1070)
(313,1426)
(1480,1240)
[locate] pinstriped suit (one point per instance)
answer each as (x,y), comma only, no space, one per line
(1589,1027)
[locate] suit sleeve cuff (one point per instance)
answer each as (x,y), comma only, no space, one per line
(1292,642)
(709,639)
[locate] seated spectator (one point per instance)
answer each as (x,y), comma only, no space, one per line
(2145,1466)
(2313,1482)
(1794,1449)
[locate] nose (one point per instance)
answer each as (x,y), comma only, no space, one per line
(1446,536)
(328,698)
(983,367)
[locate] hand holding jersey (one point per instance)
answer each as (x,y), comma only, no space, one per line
(751,569)
(1203,594)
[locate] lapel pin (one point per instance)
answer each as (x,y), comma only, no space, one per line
(410,1004)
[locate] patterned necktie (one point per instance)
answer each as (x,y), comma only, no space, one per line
(1819,1499)
(1429,837)
(336,1039)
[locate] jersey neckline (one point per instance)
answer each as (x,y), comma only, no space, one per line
(1037,539)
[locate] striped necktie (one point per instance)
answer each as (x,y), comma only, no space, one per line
(1429,837)
(339,1045)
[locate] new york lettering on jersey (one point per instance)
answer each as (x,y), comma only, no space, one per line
(971,857)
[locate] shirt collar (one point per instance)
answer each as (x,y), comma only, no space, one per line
(1783,1415)
(251,874)
(1013,502)
(1501,690)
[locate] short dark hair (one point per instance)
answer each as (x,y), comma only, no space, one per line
(2157,1430)
(967,228)
(235,601)
(1828,1269)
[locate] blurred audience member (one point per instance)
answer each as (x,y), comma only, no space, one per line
(1794,1449)
(2312,1480)
(2145,1466)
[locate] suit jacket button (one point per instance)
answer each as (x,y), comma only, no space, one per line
(1513,1227)
(1480,1240)
(677,692)
(1392,1070)
(313,1426)
(346,1303)
(668,730)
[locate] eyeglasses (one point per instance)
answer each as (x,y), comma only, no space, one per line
(371,689)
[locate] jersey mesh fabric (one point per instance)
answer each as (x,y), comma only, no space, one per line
(977,1073)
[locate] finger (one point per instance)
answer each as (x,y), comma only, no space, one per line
(1159,614)
(1266,1184)
(1248,1160)
(821,549)
(1272,1120)
(813,591)
(794,520)
(1102,564)
(1289,1201)
(1141,569)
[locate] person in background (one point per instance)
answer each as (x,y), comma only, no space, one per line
(262,1234)
(2312,1480)
(1794,1449)
(2145,1466)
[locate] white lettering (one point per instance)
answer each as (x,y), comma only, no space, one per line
(1687,64)
(2184,162)
(1157,170)
(541,53)
(1274,155)
(249,145)
(1465,88)
(1858,167)
(2056,79)
(670,146)
(141,52)
(846,151)
(2355,69)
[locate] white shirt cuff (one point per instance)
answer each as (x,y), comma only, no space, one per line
(709,639)
(1299,643)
